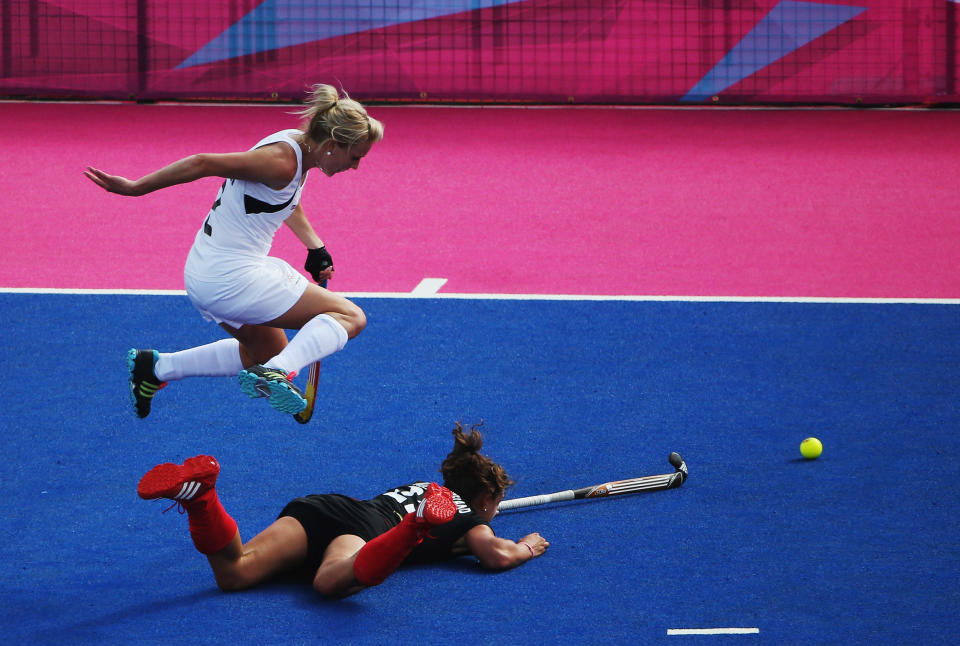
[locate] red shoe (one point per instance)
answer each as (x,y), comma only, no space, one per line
(180,482)
(437,506)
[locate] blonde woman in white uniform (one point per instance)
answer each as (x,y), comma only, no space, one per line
(229,275)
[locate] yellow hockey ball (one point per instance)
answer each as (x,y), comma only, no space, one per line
(811,448)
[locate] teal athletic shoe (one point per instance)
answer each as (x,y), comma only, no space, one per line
(275,385)
(143,382)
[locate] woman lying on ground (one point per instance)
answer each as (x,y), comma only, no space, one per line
(344,544)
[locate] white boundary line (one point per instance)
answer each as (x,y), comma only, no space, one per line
(713,631)
(427,289)
(78,291)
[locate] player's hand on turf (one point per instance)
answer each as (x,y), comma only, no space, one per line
(537,542)
(319,264)
(110,183)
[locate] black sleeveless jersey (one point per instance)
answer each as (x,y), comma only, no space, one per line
(326,516)
(438,544)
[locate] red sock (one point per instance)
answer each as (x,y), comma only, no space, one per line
(378,558)
(211,527)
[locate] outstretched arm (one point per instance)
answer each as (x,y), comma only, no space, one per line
(273,165)
(497,553)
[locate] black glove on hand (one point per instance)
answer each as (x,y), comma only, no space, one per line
(317,261)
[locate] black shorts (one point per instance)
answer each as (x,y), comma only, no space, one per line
(326,516)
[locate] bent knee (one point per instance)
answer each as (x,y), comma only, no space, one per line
(330,588)
(325,589)
(353,321)
(232,581)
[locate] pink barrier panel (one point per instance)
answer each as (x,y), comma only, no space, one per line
(580,51)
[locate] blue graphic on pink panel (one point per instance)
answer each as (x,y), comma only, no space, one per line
(789,26)
(284,23)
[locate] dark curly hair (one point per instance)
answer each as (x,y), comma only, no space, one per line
(469,473)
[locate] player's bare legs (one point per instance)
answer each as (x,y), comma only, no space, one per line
(350,564)
(325,321)
(260,354)
(335,578)
(278,548)
(318,300)
(258,343)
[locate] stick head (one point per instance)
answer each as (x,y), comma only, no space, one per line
(681,468)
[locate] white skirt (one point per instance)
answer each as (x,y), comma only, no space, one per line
(237,289)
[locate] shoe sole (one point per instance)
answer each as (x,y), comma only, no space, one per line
(168,480)
(279,394)
(131,365)
(248,384)
(437,509)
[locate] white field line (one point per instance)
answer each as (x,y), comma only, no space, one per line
(713,631)
(428,286)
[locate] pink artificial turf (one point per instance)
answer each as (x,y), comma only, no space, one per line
(822,203)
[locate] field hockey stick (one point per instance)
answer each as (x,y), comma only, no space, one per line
(615,488)
(310,394)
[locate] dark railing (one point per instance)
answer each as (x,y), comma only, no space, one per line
(727,52)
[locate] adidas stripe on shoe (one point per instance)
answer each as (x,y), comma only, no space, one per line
(143,382)
(180,482)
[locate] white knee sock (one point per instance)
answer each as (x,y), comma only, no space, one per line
(217,359)
(320,337)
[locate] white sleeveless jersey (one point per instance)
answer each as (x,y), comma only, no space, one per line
(246,215)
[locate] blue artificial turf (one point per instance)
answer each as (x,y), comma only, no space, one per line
(858,546)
